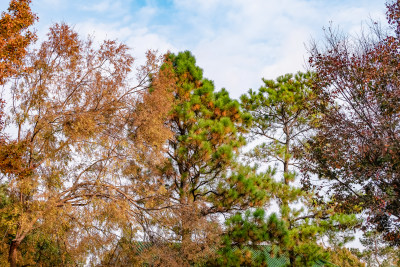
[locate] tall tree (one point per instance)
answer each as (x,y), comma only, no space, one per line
(356,147)
(283,116)
(76,127)
(201,179)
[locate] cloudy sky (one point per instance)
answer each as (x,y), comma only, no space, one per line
(236,42)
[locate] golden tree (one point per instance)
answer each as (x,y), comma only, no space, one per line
(78,125)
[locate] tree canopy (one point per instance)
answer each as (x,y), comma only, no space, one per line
(356,145)
(105,163)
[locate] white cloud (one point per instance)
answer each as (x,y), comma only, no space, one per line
(102,31)
(98,7)
(139,39)
(109,7)
(199,6)
(140,43)
(247,40)
(257,39)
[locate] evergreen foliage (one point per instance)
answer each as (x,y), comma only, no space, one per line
(201,176)
(283,117)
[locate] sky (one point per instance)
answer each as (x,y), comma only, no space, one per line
(235,42)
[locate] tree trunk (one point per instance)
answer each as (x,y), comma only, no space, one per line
(286,159)
(292,258)
(12,254)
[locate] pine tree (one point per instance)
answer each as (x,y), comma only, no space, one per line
(283,116)
(201,179)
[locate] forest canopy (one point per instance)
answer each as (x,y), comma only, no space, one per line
(99,168)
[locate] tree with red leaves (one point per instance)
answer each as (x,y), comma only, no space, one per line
(357,145)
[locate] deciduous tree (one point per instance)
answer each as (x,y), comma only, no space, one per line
(357,143)
(77,124)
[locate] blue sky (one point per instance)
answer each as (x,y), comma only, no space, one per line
(236,42)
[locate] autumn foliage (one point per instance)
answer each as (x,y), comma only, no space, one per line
(357,142)
(106,163)
(79,125)
(15,37)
